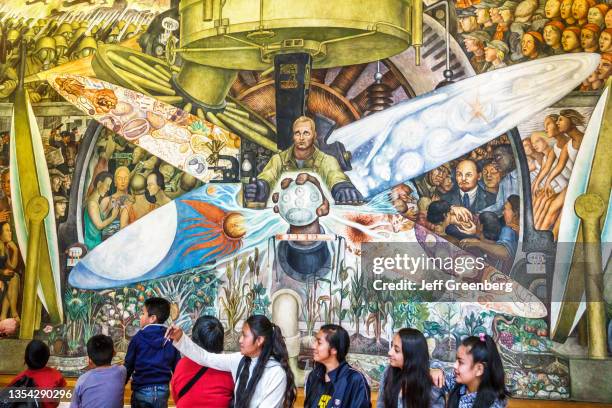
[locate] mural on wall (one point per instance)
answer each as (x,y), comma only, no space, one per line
(171,169)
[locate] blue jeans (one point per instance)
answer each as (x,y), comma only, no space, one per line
(151,396)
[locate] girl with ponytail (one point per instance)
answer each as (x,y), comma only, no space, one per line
(408,382)
(260,370)
(478,380)
(333,382)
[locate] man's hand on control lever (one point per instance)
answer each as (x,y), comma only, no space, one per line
(257,191)
(346,193)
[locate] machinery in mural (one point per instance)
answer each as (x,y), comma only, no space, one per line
(155,185)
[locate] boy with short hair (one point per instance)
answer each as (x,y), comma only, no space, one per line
(150,359)
(102,386)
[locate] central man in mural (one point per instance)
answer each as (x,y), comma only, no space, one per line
(304,155)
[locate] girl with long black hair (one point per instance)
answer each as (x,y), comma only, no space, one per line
(478,380)
(333,382)
(407,383)
(260,370)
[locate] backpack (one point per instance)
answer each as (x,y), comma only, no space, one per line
(5,395)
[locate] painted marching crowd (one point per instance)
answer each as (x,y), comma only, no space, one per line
(496,33)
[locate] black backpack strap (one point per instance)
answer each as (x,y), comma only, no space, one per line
(191,383)
(240,367)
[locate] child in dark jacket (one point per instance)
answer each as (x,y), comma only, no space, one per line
(150,360)
(333,382)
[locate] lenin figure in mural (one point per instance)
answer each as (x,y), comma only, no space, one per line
(304,156)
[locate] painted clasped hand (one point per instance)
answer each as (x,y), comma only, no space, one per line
(302,202)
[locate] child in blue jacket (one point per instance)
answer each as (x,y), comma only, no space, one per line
(334,383)
(150,360)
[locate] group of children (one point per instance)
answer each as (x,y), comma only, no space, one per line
(259,374)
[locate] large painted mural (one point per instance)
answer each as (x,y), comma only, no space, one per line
(151,149)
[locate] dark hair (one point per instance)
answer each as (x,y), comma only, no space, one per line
(504,148)
(492,383)
(159,179)
(208,333)
(485,162)
(413,379)
(490,225)
(515,203)
(100,177)
(437,211)
(36,354)
(273,347)
(100,349)
(338,339)
(159,307)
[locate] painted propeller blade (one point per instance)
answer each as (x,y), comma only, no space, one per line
(30,178)
(359,227)
(206,225)
(415,136)
(568,302)
(175,136)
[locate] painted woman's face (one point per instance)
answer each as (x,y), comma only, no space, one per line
(580,9)
(588,39)
(564,124)
(552,8)
(569,41)
(552,36)
(605,42)
(595,16)
(550,126)
(152,185)
(528,46)
(490,54)
(566,9)
(6,235)
(104,186)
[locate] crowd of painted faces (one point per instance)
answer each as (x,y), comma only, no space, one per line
(261,373)
(497,33)
(474,201)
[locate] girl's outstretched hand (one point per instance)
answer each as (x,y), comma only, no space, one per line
(174,333)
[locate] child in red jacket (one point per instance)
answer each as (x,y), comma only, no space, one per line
(36,358)
(194,386)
